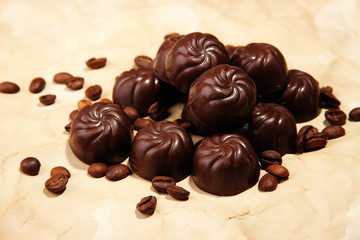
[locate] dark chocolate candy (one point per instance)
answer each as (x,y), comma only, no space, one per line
(225,165)
(265,64)
(272,127)
(301,96)
(192,55)
(101,132)
(162,149)
(220,100)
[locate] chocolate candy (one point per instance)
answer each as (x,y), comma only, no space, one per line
(220,100)
(265,64)
(225,165)
(301,96)
(192,55)
(101,132)
(272,127)
(162,149)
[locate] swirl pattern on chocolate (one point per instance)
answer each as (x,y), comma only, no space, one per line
(162,149)
(225,165)
(101,133)
(192,55)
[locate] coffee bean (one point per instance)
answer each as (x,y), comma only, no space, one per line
(334,131)
(93,92)
(106,100)
(56,183)
(161,183)
(117,172)
(178,193)
(181,123)
(278,171)
(269,157)
(73,114)
(132,113)
(83,103)
(170,35)
(9,87)
(60,170)
(354,114)
(68,127)
(303,135)
(315,143)
(62,77)
(328,99)
(147,205)
(37,85)
(30,166)
(47,99)
(140,123)
(157,111)
(268,183)
(95,63)
(75,83)
(335,116)
(143,62)
(97,170)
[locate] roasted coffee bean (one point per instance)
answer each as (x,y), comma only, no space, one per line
(305,133)
(170,35)
(62,77)
(354,114)
(140,123)
(56,183)
(37,85)
(178,193)
(47,99)
(161,183)
(60,170)
(97,170)
(181,123)
(68,127)
(30,166)
(9,87)
(328,99)
(143,62)
(75,83)
(334,131)
(93,92)
(83,103)
(132,113)
(73,114)
(268,183)
(95,63)
(147,205)
(158,111)
(335,116)
(106,100)
(117,172)
(269,157)
(278,171)
(315,143)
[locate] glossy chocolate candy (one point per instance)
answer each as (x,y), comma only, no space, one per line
(225,165)
(101,132)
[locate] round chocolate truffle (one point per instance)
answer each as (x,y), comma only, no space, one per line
(162,149)
(220,100)
(138,88)
(301,96)
(265,64)
(225,165)
(192,55)
(272,127)
(101,132)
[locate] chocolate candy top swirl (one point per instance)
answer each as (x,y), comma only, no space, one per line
(192,55)
(101,133)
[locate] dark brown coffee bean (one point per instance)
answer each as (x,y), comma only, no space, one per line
(303,135)
(328,99)
(62,77)
(117,172)
(73,114)
(178,193)
(157,111)
(37,85)
(75,83)
(334,131)
(161,183)
(95,63)
(106,100)
(268,183)
(132,113)
(335,116)
(181,123)
(56,183)
(147,205)
(68,127)
(9,87)
(315,143)
(140,123)
(93,92)
(30,166)
(47,99)
(60,170)
(97,170)
(269,157)
(143,62)
(354,114)
(278,171)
